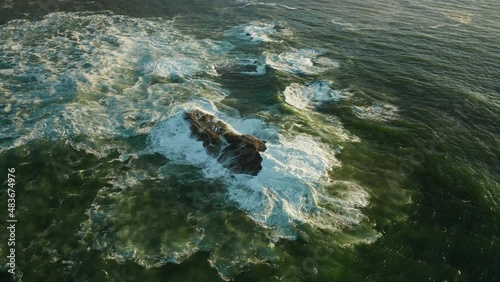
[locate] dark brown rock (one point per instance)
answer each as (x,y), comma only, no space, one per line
(235,69)
(236,152)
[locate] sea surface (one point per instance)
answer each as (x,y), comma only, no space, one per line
(381,117)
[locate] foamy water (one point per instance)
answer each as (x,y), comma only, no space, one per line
(105,78)
(312,94)
(302,61)
(381,119)
(260,32)
(287,189)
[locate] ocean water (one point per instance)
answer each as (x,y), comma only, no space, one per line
(382,122)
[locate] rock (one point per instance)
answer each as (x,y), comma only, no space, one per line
(237,152)
(248,68)
(278,27)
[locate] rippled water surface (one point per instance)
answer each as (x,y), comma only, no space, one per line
(382,123)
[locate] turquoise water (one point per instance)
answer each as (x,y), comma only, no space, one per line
(382,120)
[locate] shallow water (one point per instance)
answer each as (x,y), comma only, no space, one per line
(381,120)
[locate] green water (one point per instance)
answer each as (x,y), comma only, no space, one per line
(409,155)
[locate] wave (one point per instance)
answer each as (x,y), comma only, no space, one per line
(97,80)
(312,94)
(301,61)
(288,188)
(260,32)
(98,75)
(291,191)
(377,111)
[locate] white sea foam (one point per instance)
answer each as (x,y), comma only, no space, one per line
(96,75)
(377,111)
(98,78)
(258,32)
(301,61)
(173,68)
(284,193)
(313,94)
